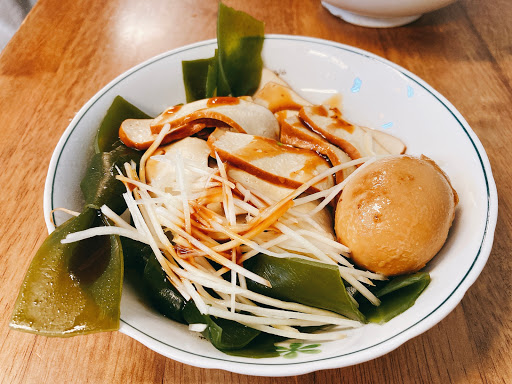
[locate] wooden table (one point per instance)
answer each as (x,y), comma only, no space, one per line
(67,50)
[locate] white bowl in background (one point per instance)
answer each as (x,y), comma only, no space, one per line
(382,13)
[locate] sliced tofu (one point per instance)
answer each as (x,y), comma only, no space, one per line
(161,169)
(354,140)
(275,192)
(323,219)
(241,115)
(136,133)
(389,142)
(270,160)
(278,97)
(294,132)
(257,185)
(269,76)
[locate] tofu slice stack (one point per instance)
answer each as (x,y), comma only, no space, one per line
(186,120)
(321,128)
(354,140)
(270,160)
(294,132)
(239,114)
(265,189)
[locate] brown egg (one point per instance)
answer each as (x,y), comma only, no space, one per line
(395,214)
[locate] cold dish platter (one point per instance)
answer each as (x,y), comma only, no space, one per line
(264,204)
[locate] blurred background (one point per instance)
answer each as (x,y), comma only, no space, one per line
(12,14)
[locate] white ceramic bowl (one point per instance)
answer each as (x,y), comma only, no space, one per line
(382,13)
(376,93)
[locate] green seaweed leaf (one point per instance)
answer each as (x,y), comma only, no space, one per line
(72,289)
(100,186)
(225,335)
(195,76)
(162,294)
(397,295)
(240,40)
(107,136)
(235,69)
(303,281)
(75,288)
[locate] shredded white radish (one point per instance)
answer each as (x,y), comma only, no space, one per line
(334,191)
(143,228)
(282,314)
(198,301)
(325,336)
(197,327)
(116,219)
(301,240)
(160,137)
(360,287)
(103,231)
(225,287)
(202,237)
(214,255)
(180,177)
(68,211)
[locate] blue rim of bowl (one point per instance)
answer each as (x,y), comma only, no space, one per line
(487,234)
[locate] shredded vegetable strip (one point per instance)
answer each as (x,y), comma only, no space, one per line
(282,314)
(334,191)
(180,178)
(102,231)
(360,287)
(142,166)
(298,335)
(243,240)
(68,211)
(210,252)
(314,250)
(144,230)
(225,287)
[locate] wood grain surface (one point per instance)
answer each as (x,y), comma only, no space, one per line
(66,51)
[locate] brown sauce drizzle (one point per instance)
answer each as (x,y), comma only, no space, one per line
(319,110)
(347,147)
(338,122)
(172,110)
(334,114)
(334,101)
(308,170)
(222,100)
(259,148)
(278,99)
